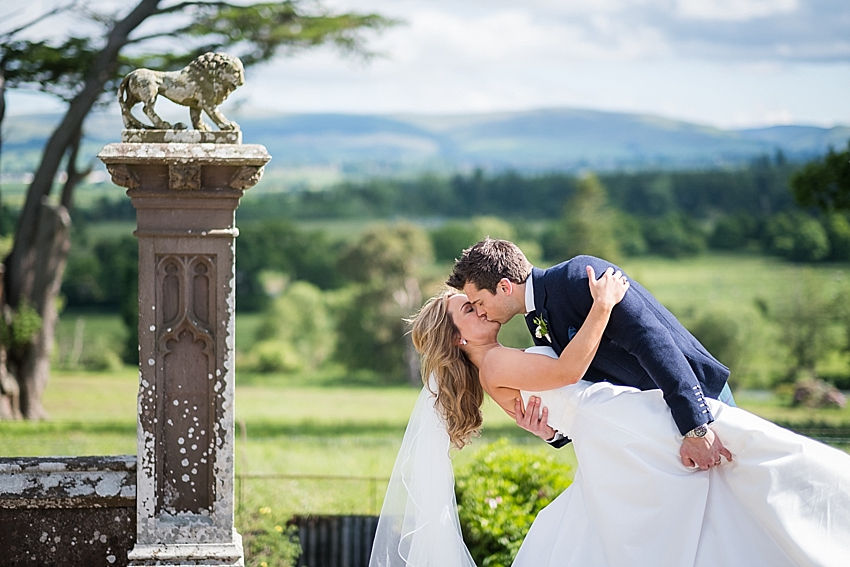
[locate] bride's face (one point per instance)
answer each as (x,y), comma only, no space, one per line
(471,326)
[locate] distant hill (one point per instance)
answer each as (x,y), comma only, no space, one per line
(540,140)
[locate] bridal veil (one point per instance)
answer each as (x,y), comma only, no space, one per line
(419,525)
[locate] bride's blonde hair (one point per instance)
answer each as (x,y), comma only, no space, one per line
(459,393)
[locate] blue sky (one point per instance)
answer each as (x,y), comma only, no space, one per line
(727,63)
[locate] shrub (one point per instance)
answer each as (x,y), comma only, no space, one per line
(838,230)
(798,237)
(811,242)
(499,494)
(674,236)
(267,540)
(102,359)
(732,232)
(297,333)
(723,335)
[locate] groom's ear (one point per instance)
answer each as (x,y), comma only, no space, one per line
(506,286)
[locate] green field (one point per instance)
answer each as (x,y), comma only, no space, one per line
(289,430)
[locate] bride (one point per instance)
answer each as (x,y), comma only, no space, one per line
(782,499)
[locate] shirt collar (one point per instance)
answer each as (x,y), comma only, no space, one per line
(529,295)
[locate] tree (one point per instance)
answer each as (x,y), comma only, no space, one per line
(383,264)
(296,333)
(254,32)
(806,317)
(825,183)
(587,225)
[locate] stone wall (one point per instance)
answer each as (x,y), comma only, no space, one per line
(64,511)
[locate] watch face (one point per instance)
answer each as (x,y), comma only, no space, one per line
(701,431)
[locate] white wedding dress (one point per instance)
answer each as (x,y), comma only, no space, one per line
(784,500)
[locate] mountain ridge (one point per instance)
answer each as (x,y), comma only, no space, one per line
(548,139)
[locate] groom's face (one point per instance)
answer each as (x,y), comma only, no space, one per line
(497,306)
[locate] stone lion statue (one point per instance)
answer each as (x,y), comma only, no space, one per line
(203,84)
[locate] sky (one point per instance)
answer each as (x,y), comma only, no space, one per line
(724,63)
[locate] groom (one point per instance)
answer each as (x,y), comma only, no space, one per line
(644,346)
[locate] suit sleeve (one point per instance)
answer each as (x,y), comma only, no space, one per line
(638,327)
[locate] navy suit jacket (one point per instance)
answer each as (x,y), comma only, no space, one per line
(643,346)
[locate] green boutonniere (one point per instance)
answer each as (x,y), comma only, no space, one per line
(542,329)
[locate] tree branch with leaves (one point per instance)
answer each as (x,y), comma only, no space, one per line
(84,72)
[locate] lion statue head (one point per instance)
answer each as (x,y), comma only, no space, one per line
(227,73)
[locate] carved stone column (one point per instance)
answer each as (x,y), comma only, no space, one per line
(185,196)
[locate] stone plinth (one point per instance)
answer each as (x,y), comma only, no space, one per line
(182,136)
(67,510)
(185,196)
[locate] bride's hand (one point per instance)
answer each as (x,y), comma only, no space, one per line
(609,289)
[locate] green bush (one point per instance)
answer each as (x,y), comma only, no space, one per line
(798,237)
(838,230)
(723,335)
(102,359)
(811,242)
(500,493)
(732,232)
(267,540)
(674,236)
(297,333)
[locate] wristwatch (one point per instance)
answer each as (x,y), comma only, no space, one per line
(698,431)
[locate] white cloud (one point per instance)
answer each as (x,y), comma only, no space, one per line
(734,10)
(723,62)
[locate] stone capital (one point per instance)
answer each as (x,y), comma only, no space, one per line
(184,167)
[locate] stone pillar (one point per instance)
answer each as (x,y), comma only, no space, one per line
(185,196)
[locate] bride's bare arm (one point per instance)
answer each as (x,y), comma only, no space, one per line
(513,369)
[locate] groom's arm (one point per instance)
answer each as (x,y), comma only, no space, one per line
(637,326)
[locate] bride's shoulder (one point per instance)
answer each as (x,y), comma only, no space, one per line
(494,361)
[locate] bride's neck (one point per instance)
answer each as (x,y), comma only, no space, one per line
(476,352)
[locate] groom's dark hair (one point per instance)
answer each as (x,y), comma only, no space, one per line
(487,262)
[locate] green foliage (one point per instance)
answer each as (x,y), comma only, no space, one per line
(383,264)
(674,236)
(99,271)
(55,69)
(261,30)
(499,494)
(810,241)
(104,273)
(587,225)
(724,336)
(797,237)
(296,333)
(280,246)
(387,255)
(824,183)
(838,233)
(732,232)
(18,330)
(255,33)
(629,234)
(452,237)
(267,539)
(806,318)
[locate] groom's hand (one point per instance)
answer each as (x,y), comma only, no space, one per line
(703,452)
(532,419)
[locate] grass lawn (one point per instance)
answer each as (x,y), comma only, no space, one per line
(290,430)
